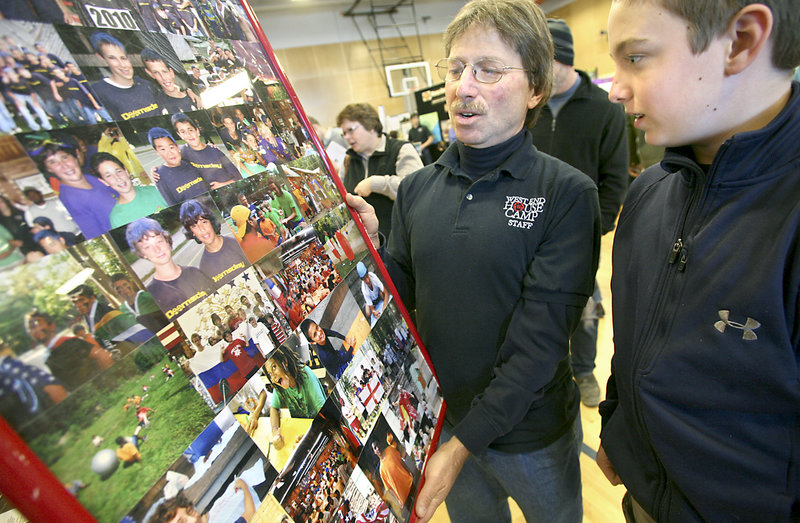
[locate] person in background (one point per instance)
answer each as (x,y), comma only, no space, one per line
(421,137)
(138,302)
(375,163)
(20,93)
(51,208)
(580,126)
(70,359)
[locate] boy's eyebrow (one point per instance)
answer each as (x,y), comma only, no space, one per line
(622,47)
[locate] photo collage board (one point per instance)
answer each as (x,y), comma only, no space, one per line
(191,323)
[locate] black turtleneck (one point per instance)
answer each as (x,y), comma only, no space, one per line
(477,162)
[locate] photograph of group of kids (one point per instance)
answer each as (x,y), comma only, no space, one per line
(193,325)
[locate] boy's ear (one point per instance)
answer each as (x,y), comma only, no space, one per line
(749,30)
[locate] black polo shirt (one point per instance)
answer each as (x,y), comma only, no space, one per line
(500,269)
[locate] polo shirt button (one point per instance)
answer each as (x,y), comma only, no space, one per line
(469,197)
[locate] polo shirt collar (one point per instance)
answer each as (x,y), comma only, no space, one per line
(516,165)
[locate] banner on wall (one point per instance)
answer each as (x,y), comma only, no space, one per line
(192,321)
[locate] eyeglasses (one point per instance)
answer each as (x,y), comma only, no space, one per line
(351,129)
(487,71)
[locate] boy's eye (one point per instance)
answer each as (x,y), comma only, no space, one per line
(633,58)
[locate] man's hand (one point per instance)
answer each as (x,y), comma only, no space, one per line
(364,188)
(440,474)
(367,214)
(605,465)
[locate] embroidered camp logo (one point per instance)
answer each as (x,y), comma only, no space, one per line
(748,327)
(522,212)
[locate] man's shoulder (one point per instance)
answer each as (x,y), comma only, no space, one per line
(420,177)
(548,170)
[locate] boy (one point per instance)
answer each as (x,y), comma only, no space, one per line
(701,418)
(170,96)
(222,258)
(134,202)
(175,288)
(88,200)
(178,180)
(123,94)
(216,168)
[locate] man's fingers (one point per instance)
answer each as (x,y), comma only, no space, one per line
(427,503)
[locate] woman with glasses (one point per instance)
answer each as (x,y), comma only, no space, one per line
(375,163)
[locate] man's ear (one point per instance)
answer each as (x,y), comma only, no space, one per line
(749,30)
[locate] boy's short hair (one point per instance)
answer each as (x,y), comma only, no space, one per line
(49,150)
(191,211)
(523,27)
(158,132)
(182,118)
(148,55)
(138,229)
(46,233)
(101,157)
(99,39)
(44,221)
(119,276)
(708,19)
(362,113)
(82,290)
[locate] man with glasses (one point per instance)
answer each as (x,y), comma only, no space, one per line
(375,163)
(496,246)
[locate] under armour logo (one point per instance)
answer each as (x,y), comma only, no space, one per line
(748,328)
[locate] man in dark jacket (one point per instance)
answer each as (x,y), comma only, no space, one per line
(580,126)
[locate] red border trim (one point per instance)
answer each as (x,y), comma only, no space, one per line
(30,486)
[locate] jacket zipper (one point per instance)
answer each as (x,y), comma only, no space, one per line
(678,254)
